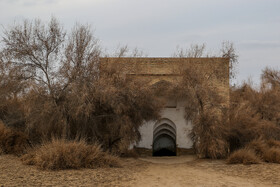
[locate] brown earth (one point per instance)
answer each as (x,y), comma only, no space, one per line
(146,171)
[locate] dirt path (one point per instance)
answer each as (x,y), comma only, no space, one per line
(189,171)
(149,171)
(181,172)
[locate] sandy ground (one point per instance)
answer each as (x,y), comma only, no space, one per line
(148,171)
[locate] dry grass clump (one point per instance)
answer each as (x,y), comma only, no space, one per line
(12,142)
(243,156)
(259,146)
(61,154)
(272,155)
(265,150)
(273,143)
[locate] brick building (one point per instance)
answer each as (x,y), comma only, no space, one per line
(171,132)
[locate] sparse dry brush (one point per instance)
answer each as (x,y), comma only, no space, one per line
(204,106)
(273,143)
(254,117)
(243,156)
(63,154)
(272,155)
(209,135)
(266,150)
(258,149)
(259,146)
(12,141)
(12,84)
(250,121)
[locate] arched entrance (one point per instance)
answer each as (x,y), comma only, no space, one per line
(164,138)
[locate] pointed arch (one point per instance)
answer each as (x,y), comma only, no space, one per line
(164,138)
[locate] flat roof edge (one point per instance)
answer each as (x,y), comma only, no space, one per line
(164,57)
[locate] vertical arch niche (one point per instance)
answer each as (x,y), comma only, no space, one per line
(164,138)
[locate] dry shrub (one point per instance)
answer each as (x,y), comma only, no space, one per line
(254,114)
(12,142)
(273,143)
(209,135)
(241,128)
(259,146)
(253,119)
(268,130)
(12,85)
(243,156)
(272,155)
(267,150)
(205,108)
(61,154)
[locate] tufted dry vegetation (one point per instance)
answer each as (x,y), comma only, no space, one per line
(243,156)
(264,150)
(62,154)
(254,117)
(272,155)
(12,141)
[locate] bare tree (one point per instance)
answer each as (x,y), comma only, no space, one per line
(228,51)
(68,94)
(36,49)
(125,51)
(272,77)
(81,54)
(205,107)
(195,51)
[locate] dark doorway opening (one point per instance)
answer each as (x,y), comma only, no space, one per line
(164,138)
(164,152)
(164,145)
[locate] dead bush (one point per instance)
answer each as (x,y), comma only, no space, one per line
(273,143)
(13,142)
(209,135)
(204,106)
(61,154)
(243,156)
(268,130)
(272,155)
(12,85)
(241,127)
(259,146)
(267,150)
(254,114)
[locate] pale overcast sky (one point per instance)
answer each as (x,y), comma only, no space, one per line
(158,26)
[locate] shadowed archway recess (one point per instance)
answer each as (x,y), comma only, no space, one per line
(164,138)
